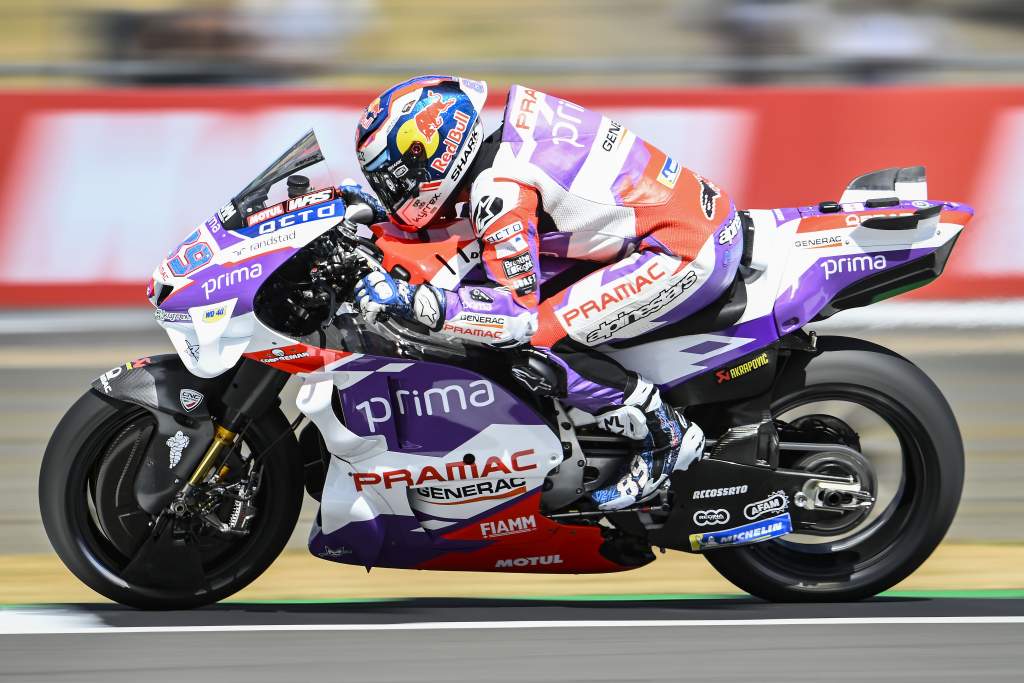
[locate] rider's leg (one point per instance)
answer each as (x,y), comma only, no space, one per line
(624,403)
(635,296)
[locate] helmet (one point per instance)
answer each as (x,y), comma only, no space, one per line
(415,143)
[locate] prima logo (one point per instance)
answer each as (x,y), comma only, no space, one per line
(853,264)
(232,278)
(441,400)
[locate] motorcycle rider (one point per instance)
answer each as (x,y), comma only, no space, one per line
(556,179)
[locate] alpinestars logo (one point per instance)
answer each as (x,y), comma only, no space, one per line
(487,210)
(625,318)
(709,195)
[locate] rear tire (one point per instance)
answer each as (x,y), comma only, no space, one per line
(929,495)
(88,433)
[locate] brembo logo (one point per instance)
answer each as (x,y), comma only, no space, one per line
(853,264)
(452,471)
(434,401)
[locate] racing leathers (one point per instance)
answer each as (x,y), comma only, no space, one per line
(569,183)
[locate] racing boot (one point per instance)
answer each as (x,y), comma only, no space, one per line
(667,443)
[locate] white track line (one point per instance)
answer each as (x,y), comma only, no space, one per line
(15,622)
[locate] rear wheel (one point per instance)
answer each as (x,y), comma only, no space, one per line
(94,523)
(862,396)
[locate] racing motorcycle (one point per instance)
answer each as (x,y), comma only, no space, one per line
(832,470)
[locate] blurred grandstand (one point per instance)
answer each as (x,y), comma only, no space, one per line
(578,43)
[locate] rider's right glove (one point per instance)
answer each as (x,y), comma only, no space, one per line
(353,193)
(379,293)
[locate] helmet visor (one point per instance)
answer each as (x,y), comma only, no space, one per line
(399,181)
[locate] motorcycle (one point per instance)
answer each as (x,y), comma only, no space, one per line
(833,466)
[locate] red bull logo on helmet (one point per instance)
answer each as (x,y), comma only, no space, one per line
(451,142)
(428,119)
(371,114)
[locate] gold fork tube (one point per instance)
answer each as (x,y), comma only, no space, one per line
(222,438)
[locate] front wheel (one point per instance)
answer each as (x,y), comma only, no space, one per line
(91,517)
(895,415)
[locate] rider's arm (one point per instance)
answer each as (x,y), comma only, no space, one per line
(504,215)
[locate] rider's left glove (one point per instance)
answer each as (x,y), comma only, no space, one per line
(353,193)
(379,293)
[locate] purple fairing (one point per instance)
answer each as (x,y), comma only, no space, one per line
(224,238)
(760,331)
(428,408)
(220,282)
(563,144)
(817,286)
(385,541)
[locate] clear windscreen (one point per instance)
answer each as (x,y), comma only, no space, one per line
(282,179)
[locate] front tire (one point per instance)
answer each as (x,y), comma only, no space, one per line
(885,552)
(97,428)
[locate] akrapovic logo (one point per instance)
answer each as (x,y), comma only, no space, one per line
(755,363)
(718,493)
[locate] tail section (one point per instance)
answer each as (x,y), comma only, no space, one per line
(907,184)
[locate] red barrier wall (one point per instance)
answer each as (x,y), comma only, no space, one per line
(96,185)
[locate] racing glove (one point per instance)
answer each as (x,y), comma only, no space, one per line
(353,193)
(380,294)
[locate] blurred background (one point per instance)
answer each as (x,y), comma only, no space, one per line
(124,123)
(550,42)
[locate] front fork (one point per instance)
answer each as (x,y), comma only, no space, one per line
(253,390)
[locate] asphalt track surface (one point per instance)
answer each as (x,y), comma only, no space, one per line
(521,640)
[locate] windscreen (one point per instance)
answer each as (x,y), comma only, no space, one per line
(303,154)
